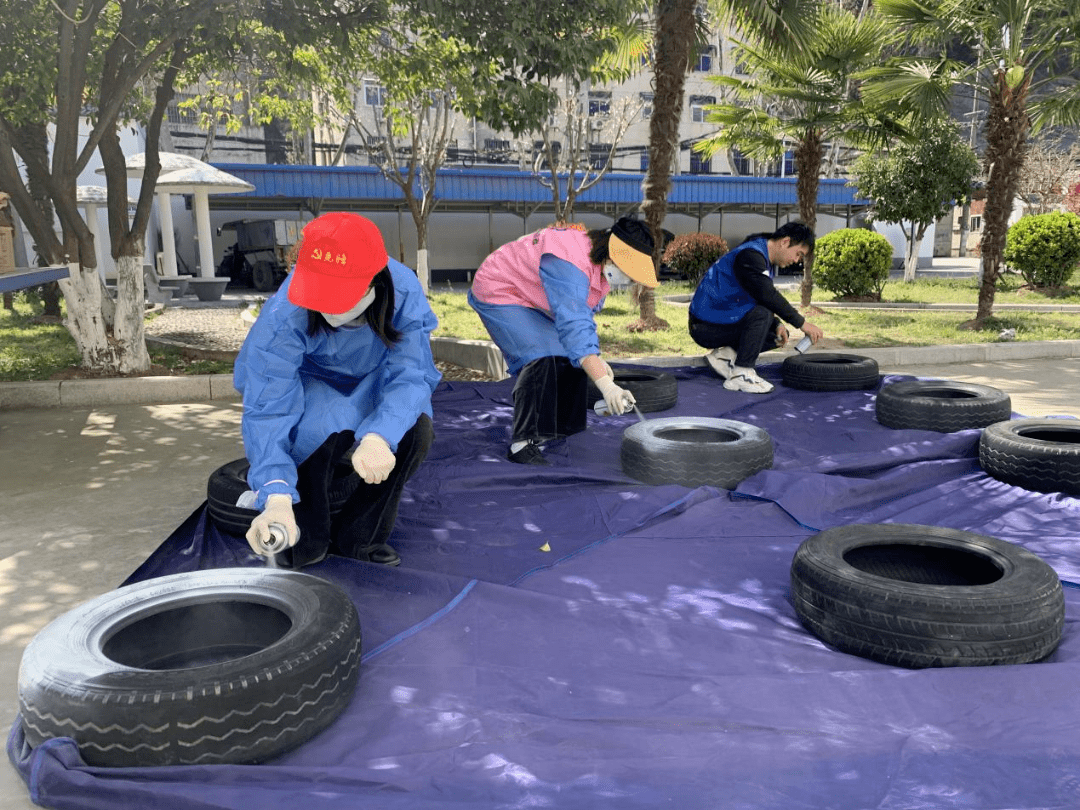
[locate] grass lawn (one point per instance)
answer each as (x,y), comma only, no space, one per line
(852,328)
(33,350)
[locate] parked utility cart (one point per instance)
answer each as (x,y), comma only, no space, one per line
(259,257)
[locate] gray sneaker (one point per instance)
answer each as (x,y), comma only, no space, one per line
(722,361)
(747,380)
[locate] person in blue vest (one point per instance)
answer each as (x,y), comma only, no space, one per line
(337,371)
(737,312)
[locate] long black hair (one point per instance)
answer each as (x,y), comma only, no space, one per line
(379,316)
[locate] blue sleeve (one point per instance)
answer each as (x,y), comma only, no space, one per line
(267,374)
(567,290)
(409,371)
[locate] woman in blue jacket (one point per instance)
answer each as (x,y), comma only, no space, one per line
(337,369)
(736,310)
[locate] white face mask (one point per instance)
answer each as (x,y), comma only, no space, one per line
(352,314)
(616,277)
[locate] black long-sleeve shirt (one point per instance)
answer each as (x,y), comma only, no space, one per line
(752,272)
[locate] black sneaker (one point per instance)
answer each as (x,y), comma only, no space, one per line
(529,454)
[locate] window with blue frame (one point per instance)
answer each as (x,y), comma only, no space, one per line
(599,102)
(699,164)
(698,106)
(646,100)
(374,94)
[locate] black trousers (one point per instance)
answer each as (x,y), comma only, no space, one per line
(754,334)
(368,515)
(550,400)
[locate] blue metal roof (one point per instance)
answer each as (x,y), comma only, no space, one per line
(478,187)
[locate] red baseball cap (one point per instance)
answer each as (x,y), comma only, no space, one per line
(339,255)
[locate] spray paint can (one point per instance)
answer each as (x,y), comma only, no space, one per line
(278,540)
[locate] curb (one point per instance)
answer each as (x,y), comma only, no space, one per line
(481,355)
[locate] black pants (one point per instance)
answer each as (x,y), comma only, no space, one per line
(368,515)
(550,400)
(755,333)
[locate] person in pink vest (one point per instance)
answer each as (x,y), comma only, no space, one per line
(537,297)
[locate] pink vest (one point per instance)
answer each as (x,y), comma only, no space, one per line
(511,275)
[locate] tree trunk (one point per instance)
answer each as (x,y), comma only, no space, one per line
(34,140)
(124,350)
(914,245)
(808,156)
(1007,127)
(673,41)
(911,259)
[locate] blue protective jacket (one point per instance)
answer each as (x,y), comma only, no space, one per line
(719,297)
(299,389)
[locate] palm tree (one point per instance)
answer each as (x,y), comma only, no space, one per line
(805,97)
(1027,53)
(783,22)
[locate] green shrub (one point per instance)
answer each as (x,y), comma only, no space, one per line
(1044,248)
(853,263)
(691,254)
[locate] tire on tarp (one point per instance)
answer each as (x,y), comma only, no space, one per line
(1039,454)
(695,451)
(827,371)
(223,666)
(229,481)
(940,405)
(924,596)
(653,390)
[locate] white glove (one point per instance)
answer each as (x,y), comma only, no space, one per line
(279,510)
(618,400)
(373,459)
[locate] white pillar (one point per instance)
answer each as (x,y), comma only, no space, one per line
(168,237)
(202,225)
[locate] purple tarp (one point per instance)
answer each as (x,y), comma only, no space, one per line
(652,657)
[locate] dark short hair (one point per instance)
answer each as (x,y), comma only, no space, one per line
(797,232)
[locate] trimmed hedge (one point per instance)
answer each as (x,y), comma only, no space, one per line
(1044,248)
(853,263)
(691,254)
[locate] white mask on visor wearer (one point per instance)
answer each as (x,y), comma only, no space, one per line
(616,277)
(352,314)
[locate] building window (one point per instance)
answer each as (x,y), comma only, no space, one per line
(697,107)
(739,164)
(704,60)
(497,150)
(182,115)
(598,154)
(599,102)
(774,169)
(699,164)
(644,160)
(646,105)
(976,224)
(374,94)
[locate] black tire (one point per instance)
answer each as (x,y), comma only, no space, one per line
(228,482)
(941,405)
(824,371)
(695,451)
(263,276)
(924,596)
(1037,454)
(231,665)
(652,390)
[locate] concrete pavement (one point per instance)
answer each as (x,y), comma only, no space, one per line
(94,483)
